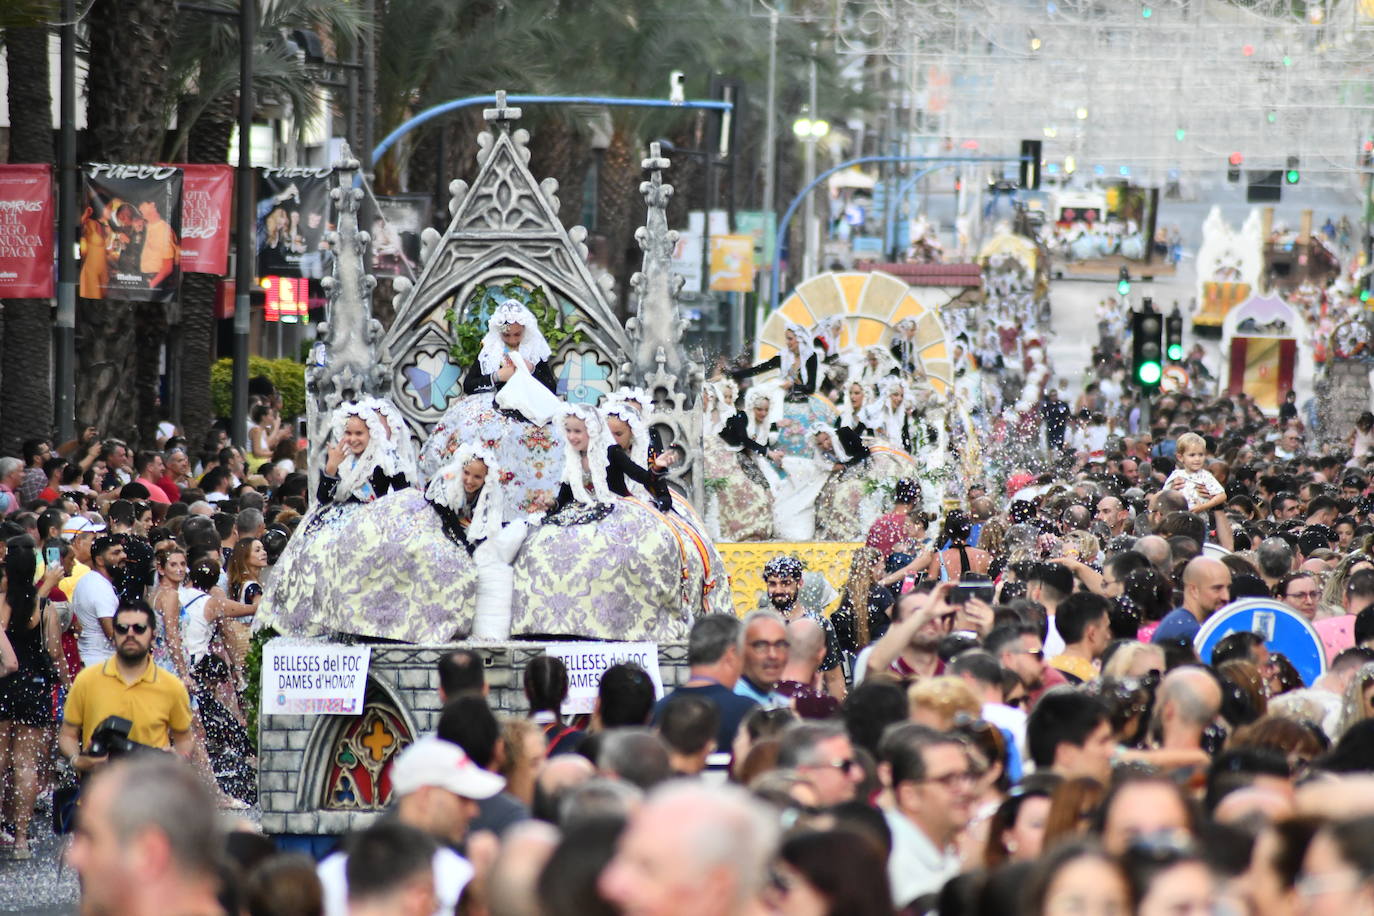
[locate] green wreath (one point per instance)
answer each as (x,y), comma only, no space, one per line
(469,331)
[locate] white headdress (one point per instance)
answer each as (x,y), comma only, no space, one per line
(533,347)
(805,347)
(639,432)
(446,489)
(836,446)
(598,441)
(828,329)
(389,447)
(724,393)
(773,394)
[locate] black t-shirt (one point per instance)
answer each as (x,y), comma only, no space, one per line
(732,707)
(133,579)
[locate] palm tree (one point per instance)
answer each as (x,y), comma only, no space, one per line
(25,393)
(205,67)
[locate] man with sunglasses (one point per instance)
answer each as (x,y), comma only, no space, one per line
(129,685)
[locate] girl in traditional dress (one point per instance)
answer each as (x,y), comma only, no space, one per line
(608,567)
(371,454)
(371,457)
(631,469)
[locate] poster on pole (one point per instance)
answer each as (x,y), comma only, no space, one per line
(732,263)
(294,216)
(395,231)
(130,232)
(206,205)
(26,231)
(587,662)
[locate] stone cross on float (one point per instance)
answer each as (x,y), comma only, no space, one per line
(502,115)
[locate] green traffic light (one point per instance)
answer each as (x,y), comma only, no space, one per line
(1364,295)
(1292,176)
(1123,287)
(1176,352)
(1149,373)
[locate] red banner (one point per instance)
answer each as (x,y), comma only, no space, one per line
(206,204)
(26,231)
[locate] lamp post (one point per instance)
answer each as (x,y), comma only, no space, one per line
(809,130)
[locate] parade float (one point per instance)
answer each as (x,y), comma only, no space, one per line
(1266,350)
(1230,263)
(360,609)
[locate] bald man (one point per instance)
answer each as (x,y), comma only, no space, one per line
(1156,550)
(1206,587)
(805,650)
(1188,701)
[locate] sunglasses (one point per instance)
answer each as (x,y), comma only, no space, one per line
(138,628)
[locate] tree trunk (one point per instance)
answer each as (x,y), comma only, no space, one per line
(26,407)
(130,43)
(197,346)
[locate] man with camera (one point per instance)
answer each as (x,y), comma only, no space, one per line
(126,702)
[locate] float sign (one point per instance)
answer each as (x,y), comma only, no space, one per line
(1284,630)
(587,661)
(301,678)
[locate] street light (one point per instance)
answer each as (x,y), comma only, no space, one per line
(810,131)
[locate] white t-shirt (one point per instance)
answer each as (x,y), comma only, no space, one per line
(93,599)
(451,874)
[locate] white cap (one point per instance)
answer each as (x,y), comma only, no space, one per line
(79,524)
(432,761)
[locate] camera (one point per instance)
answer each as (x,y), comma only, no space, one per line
(111,737)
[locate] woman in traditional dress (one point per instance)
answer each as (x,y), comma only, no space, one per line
(508,408)
(371,457)
(739,504)
(513,341)
(797,363)
(609,567)
(799,376)
(878,365)
(906,349)
(851,412)
(889,418)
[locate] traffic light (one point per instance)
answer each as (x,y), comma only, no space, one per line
(1123,283)
(1292,175)
(1233,167)
(1147,333)
(1030,165)
(1173,336)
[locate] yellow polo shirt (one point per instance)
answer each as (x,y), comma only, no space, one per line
(157,703)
